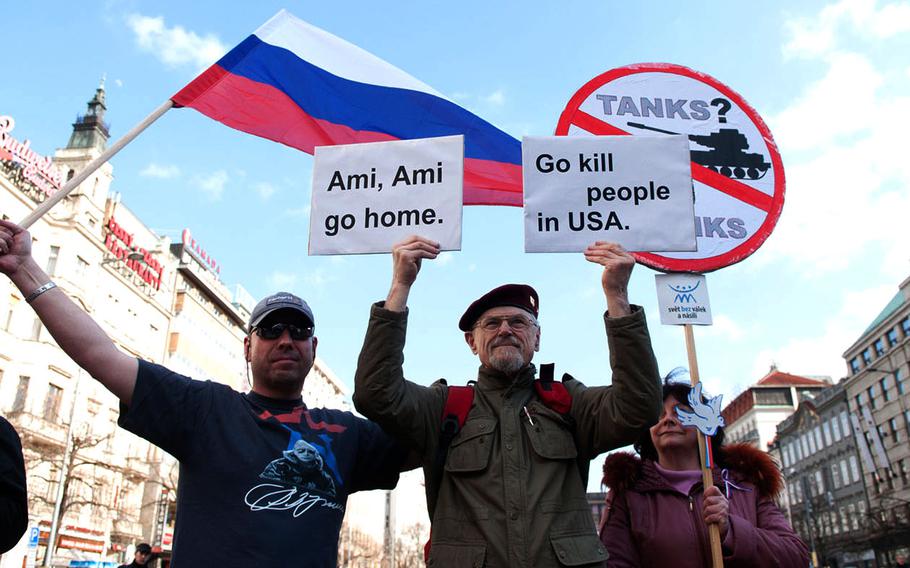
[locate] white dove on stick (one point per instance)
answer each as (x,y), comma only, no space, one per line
(704,415)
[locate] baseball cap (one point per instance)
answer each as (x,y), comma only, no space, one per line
(279,301)
(517,295)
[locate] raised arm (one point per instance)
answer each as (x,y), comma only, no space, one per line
(406,410)
(407,257)
(613,416)
(73,329)
(618,265)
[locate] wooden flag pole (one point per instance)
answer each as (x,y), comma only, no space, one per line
(94,165)
(717,554)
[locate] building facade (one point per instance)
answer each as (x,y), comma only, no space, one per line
(825,497)
(754,414)
(159,300)
(878,394)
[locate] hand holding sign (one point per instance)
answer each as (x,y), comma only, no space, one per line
(618,265)
(407,256)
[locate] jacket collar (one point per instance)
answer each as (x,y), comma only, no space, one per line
(493,381)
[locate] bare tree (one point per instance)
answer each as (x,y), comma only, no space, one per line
(409,546)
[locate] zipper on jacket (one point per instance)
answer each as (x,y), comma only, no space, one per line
(691,504)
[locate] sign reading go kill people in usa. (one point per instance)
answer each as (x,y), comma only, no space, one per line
(736,167)
(683,299)
(367,197)
(633,191)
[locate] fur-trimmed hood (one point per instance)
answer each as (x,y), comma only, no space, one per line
(623,471)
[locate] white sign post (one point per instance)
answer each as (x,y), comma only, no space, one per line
(367,197)
(683,299)
(636,191)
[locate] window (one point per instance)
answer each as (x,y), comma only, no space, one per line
(835,429)
(820,481)
(52,403)
(859,402)
(854,365)
(81,268)
(773,397)
(845,423)
(871,392)
(867,355)
(854,516)
(13,302)
(899,381)
(854,469)
(892,337)
(895,431)
(818,437)
(835,475)
(812,448)
(905,325)
(844,472)
(804,444)
(879,347)
(826,429)
(21,394)
(902,468)
(883,384)
(52,260)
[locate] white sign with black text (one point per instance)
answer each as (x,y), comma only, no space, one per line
(367,197)
(633,190)
(683,299)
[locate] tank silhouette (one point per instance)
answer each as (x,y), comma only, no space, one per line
(726,156)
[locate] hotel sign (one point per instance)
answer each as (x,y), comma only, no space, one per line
(34,168)
(199,253)
(119,242)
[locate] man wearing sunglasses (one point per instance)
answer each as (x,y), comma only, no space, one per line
(264,479)
(509,489)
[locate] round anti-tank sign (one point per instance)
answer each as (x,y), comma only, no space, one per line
(737,171)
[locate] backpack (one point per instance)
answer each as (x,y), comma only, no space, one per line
(459,399)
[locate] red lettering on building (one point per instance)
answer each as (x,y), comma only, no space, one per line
(120,243)
(39,170)
(199,253)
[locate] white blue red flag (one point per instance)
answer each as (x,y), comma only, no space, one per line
(296,84)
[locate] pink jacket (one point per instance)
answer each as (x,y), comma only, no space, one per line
(652,524)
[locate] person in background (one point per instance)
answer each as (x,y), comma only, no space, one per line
(141,557)
(659,513)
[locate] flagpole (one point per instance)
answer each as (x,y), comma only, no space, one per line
(94,165)
(706,476)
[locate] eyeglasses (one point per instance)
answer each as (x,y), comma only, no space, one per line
(516,323)
(274,331)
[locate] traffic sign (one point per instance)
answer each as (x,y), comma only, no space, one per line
(737,172)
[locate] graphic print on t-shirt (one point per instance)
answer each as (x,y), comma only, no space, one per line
(305,474)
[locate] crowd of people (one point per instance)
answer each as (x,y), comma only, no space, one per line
(264,478)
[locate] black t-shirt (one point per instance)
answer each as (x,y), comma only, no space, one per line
(13,498)
(263,482)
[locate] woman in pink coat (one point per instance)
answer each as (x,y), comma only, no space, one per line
(659,512)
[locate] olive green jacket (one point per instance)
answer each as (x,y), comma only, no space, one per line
(513,490)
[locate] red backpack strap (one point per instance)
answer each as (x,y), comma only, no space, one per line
(555,396)
(454,415)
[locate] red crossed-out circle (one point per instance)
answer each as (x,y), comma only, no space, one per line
(771,205)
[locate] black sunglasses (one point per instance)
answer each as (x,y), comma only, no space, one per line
(274,331)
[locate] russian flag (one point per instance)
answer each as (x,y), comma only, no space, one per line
(296,84)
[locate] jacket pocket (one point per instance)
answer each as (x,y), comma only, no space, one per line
(471,448)
(579,550)
(457,555)
(550,435)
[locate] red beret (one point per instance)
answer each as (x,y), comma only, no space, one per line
(517,295)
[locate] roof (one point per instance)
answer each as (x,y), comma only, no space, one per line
(777,378)
(896,302)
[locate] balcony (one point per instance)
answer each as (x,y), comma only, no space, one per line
(37,430)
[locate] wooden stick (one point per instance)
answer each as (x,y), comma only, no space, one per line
(717,555)
(94,165)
